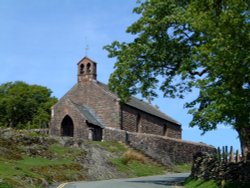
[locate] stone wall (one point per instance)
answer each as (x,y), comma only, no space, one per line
(61,110)
(163,149)
(134,120)
(107,108)
(207,167)
(88,94)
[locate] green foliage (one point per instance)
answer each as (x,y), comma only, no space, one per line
(182,45)
(25,106)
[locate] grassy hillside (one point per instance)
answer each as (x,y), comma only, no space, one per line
(29,160)
(32,161)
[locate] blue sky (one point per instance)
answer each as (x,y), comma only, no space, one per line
(42,41)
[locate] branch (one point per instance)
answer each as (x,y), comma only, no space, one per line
(198,73)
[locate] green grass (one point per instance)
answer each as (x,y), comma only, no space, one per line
(111,146)
(137,169)
(200,184)
(60,166)
(40,161)
(191,183)
(59,150)
(132,168)
(20,168)
(4,185)
(65,152)
(179,168)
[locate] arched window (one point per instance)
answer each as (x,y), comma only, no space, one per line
(67,127)
(88,68)
(81,68)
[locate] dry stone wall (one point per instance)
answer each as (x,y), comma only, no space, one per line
(207,167)
(163,149)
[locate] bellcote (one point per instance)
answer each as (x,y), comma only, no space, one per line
(86,70)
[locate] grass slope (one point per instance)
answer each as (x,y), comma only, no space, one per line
(27,162)
(191,183)
(17,168)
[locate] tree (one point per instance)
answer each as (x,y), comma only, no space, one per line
(23,105)
(180,45)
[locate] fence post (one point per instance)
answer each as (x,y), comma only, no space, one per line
(219,153)
(231,155)
(226,154)
(237,157)
(223,153)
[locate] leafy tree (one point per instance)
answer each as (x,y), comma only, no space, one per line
(23,105)
(180,45)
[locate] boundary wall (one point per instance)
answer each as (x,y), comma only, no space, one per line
(163,149)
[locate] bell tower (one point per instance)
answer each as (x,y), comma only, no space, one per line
(86,70)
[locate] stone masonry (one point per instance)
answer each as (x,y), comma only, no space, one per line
(163,149)
(90,107)
(90,111)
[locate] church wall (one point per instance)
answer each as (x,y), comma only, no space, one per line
(60,110)
(101,102)
(105,106)
(135,120)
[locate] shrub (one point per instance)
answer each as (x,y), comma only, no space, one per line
(132,155)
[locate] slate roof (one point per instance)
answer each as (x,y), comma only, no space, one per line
(89,115)
(141,105)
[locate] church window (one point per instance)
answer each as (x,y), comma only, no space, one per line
(88,68)
(165,130)
(81,69)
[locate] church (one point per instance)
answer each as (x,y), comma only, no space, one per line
(89,108)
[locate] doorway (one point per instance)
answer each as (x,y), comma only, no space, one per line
(67,127)
(95,132)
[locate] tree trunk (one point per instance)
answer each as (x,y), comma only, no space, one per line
(244,136)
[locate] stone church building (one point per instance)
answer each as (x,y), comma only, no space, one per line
(90,107)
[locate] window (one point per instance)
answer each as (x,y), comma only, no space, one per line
(138,123)
(88,68)
(81,69)
(165,130)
